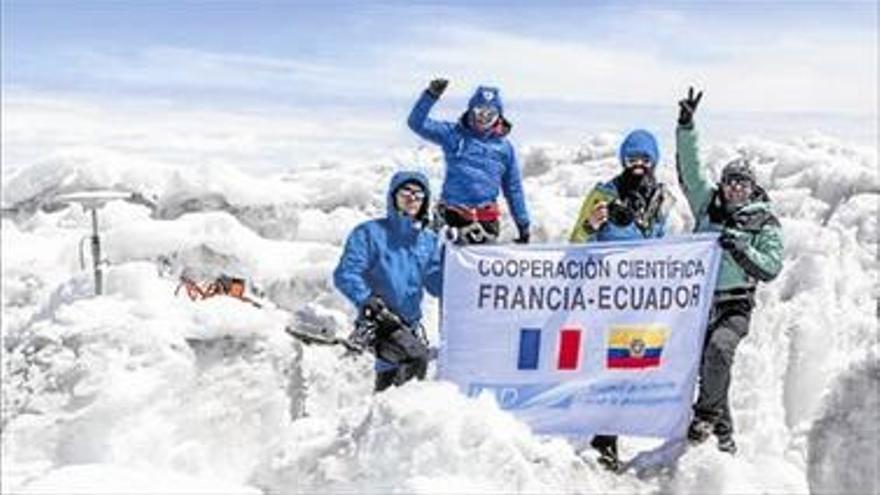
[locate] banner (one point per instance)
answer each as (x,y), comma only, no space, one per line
(581,339)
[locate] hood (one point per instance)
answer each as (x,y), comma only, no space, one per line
(398,180)
(759,195)
(487,95)
(642,142)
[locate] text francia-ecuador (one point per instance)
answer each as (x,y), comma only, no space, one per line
(604,284)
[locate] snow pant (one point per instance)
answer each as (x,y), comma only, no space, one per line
(728,324)
(407,352)
(384,379)
(400,375)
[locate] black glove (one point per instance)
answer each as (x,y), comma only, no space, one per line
(376,311)
(732,242)
(523,234)
(437,86)
(403,347)
(687,107)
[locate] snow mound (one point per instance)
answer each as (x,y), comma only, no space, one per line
(139,379)
(97,479)
(706,470)
(412,440)
(31,188)
(151,390)
(844,452)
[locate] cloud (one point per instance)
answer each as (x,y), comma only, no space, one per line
(835,74)
(38,124)
(169,67)
(651,63)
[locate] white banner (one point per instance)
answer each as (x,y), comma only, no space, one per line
(581,339)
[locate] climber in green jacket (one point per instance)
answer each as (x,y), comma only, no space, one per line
(751,236)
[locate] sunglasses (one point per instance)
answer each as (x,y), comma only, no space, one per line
(485,115)
(415,194)
(736,180)
(637,160)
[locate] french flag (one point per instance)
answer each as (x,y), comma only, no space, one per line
(568,347)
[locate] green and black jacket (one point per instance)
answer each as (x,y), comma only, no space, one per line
(762,258)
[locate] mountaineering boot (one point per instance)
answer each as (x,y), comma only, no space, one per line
(608,459)
(726,444)
(607,448)
(699,431)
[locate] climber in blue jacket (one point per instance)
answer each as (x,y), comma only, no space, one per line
(386,265)
(480,162)
(633,205)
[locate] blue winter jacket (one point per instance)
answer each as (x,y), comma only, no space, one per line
(613,232)
(392,257)
(477,165)
(636,142)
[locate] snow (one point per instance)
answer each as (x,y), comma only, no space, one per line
(848,424)
(97,479)
(142,391)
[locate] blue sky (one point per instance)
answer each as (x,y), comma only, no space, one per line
(312,51)
(556,62)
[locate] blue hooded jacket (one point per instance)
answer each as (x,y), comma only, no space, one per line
(392,257)
(477,164)
(638,142)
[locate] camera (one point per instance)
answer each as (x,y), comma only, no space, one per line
(620,213)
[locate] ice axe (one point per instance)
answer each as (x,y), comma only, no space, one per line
(92,201)
(324,337)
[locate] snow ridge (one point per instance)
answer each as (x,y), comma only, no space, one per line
(145,391)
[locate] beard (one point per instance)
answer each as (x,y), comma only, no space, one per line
(633,184)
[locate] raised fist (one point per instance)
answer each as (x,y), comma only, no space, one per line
(437,86)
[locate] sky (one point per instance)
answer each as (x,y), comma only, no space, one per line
(354,67)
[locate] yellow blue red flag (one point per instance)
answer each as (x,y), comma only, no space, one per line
(635,346)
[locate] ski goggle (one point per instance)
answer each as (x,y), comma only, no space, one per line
(734,180)
(412,193)
(485,115)
(637,161)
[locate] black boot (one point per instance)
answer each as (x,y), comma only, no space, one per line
(699,431)
(606,445)
(726,444)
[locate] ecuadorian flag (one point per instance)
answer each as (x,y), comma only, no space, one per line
(635,346)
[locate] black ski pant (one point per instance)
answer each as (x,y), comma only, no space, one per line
(384,379)
(407,352)
(400,375)
(728,324)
